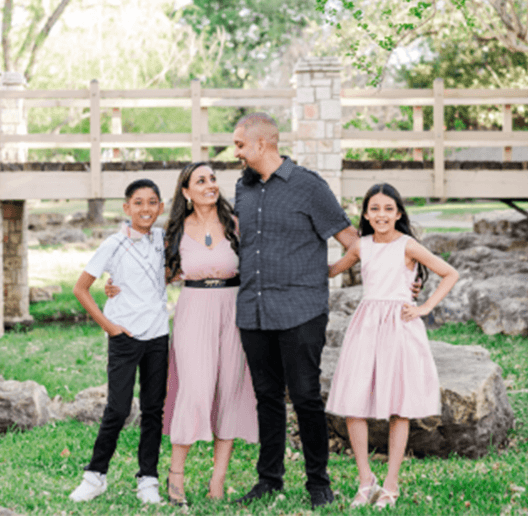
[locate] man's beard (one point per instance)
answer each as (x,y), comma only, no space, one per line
(250,176)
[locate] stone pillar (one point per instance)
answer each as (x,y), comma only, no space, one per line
(16,286)
(317,123)
(13,120)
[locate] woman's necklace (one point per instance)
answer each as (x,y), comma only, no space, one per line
(208,240)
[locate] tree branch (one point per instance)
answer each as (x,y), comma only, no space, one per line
(6,28)
(511,204)
(43,34)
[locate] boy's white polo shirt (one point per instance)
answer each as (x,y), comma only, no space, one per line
(136,263)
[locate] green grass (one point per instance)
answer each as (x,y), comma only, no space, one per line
(449,209)
(444,230)
(39,468)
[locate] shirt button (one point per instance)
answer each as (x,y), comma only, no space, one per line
(258,272)
(260,293)
(263,190)
(258,232)
(258,251)
(260,209)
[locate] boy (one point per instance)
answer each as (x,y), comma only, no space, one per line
(137,325)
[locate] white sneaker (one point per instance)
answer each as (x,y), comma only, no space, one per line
(148,490)
(93,485)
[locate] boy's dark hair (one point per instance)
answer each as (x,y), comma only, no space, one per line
(141,183)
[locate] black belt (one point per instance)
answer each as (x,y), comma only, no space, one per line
(213,283)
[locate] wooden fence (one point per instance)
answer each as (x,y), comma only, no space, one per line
(95,184)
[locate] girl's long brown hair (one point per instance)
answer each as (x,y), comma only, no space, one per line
(179,212)
(403,224)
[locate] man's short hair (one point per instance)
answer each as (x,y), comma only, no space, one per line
(264,122)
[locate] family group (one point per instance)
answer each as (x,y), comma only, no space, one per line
(250,321)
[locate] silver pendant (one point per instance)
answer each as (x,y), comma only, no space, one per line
(208,240)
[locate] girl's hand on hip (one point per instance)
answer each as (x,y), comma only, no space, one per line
(110,289)
(410,312)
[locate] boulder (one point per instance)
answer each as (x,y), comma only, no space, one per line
(62,236)
(345,300)
(499,304)
(444,243)
(88,406)
(39,221)
(475,411)
(505,222)
(38,294)
(23,405)
(8,512)
(336,328)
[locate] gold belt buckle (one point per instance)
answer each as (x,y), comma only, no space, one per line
(212,282)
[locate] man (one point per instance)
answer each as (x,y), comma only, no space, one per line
(286,214)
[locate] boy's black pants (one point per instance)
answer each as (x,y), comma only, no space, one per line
(125,354)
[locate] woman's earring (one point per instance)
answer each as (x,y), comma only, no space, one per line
(189,204)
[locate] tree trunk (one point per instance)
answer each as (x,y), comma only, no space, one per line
(95,211)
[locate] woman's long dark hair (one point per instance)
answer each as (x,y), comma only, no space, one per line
(179,212)
(403,224)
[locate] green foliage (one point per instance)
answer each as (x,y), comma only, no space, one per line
(256,34)
(465,62)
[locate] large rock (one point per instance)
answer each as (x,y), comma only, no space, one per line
(475,407)
(88,406)
(442,243)
(23,405)
(39,221)
(61,236)
(500,304)
(507,222)
(39,294)
(492,290)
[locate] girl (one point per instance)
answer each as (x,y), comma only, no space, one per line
(386,369)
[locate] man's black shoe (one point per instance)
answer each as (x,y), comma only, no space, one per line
(258,491)
(321,497)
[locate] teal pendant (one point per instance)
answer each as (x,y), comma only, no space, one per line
(208,240)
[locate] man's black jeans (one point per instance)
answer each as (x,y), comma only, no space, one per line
(290,357)
(125,354)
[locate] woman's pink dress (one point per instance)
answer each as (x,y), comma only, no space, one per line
(209,386)
(386,366)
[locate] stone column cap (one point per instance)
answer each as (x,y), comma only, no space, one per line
(13,79)
(318,64)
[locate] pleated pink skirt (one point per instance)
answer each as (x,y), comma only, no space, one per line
(209,383)
(385,368)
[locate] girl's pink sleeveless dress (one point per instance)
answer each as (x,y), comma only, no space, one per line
(386,366)
(209,385)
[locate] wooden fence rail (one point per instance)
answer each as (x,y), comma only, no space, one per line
(199,100)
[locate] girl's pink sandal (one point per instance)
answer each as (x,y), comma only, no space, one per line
(386,498)
(366,494)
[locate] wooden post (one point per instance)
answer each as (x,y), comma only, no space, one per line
(417,126)
(196,120)
(95,139)
(438,120)
(204,117)
(507,127)
(117,128)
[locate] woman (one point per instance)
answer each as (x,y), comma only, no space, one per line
(210,393)
(209,386)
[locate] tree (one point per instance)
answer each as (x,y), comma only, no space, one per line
(385,29)
(31,36)
(256,33)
